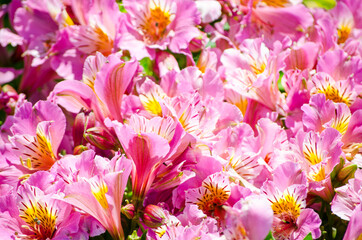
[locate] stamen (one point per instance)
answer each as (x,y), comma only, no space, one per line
(40,219)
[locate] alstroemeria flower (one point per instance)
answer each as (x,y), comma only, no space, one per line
(149,143)
(345,22)
(337,91)
(320,153)
(253,72)
(38,214)
(37,133)
(249,218)
(354,229)
(287,194)
(348,197)
(98,26)
(321,113)
(157,25)
(105,81)
(212,195)
(101,195)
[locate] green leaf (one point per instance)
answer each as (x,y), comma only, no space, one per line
(269,236)
(147,65)
(280,86)
(326,4)
(308,237)
(181,60)
(121,8)
(337,168)
(143,237)
(196,56)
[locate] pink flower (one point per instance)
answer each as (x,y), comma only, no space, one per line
(212,195)
(101,195)
(37,133)
(139,139)
(254,72)
(157,25)
(105,82)
(287,194)
(348,197)
(249,218)
(38,214)
(354,229)
(320,153)
(337,91)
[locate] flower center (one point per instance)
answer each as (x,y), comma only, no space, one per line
(318,175)
(312,157)
(99,190)
(286,207)
(258,68)
(334,94)
(212,196)
(343,33)
(341,122)
(40,220)
(155,24)
(38,154)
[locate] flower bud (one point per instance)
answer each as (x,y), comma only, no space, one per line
(198,43)
(101,138)
(79,149)
(82,122)
(346,173)
(9,99)
(153,216)
(128,211)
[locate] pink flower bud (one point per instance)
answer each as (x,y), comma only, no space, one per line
(82,122)
(101,138)
(79,149)
(153,216)
(128,211)
(198,43)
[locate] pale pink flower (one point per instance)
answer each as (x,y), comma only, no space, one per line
(348,197)
(249,218)
(354,229)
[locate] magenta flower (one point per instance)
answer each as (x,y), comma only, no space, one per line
(139,139)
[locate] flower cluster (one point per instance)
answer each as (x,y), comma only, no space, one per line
(181,119)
